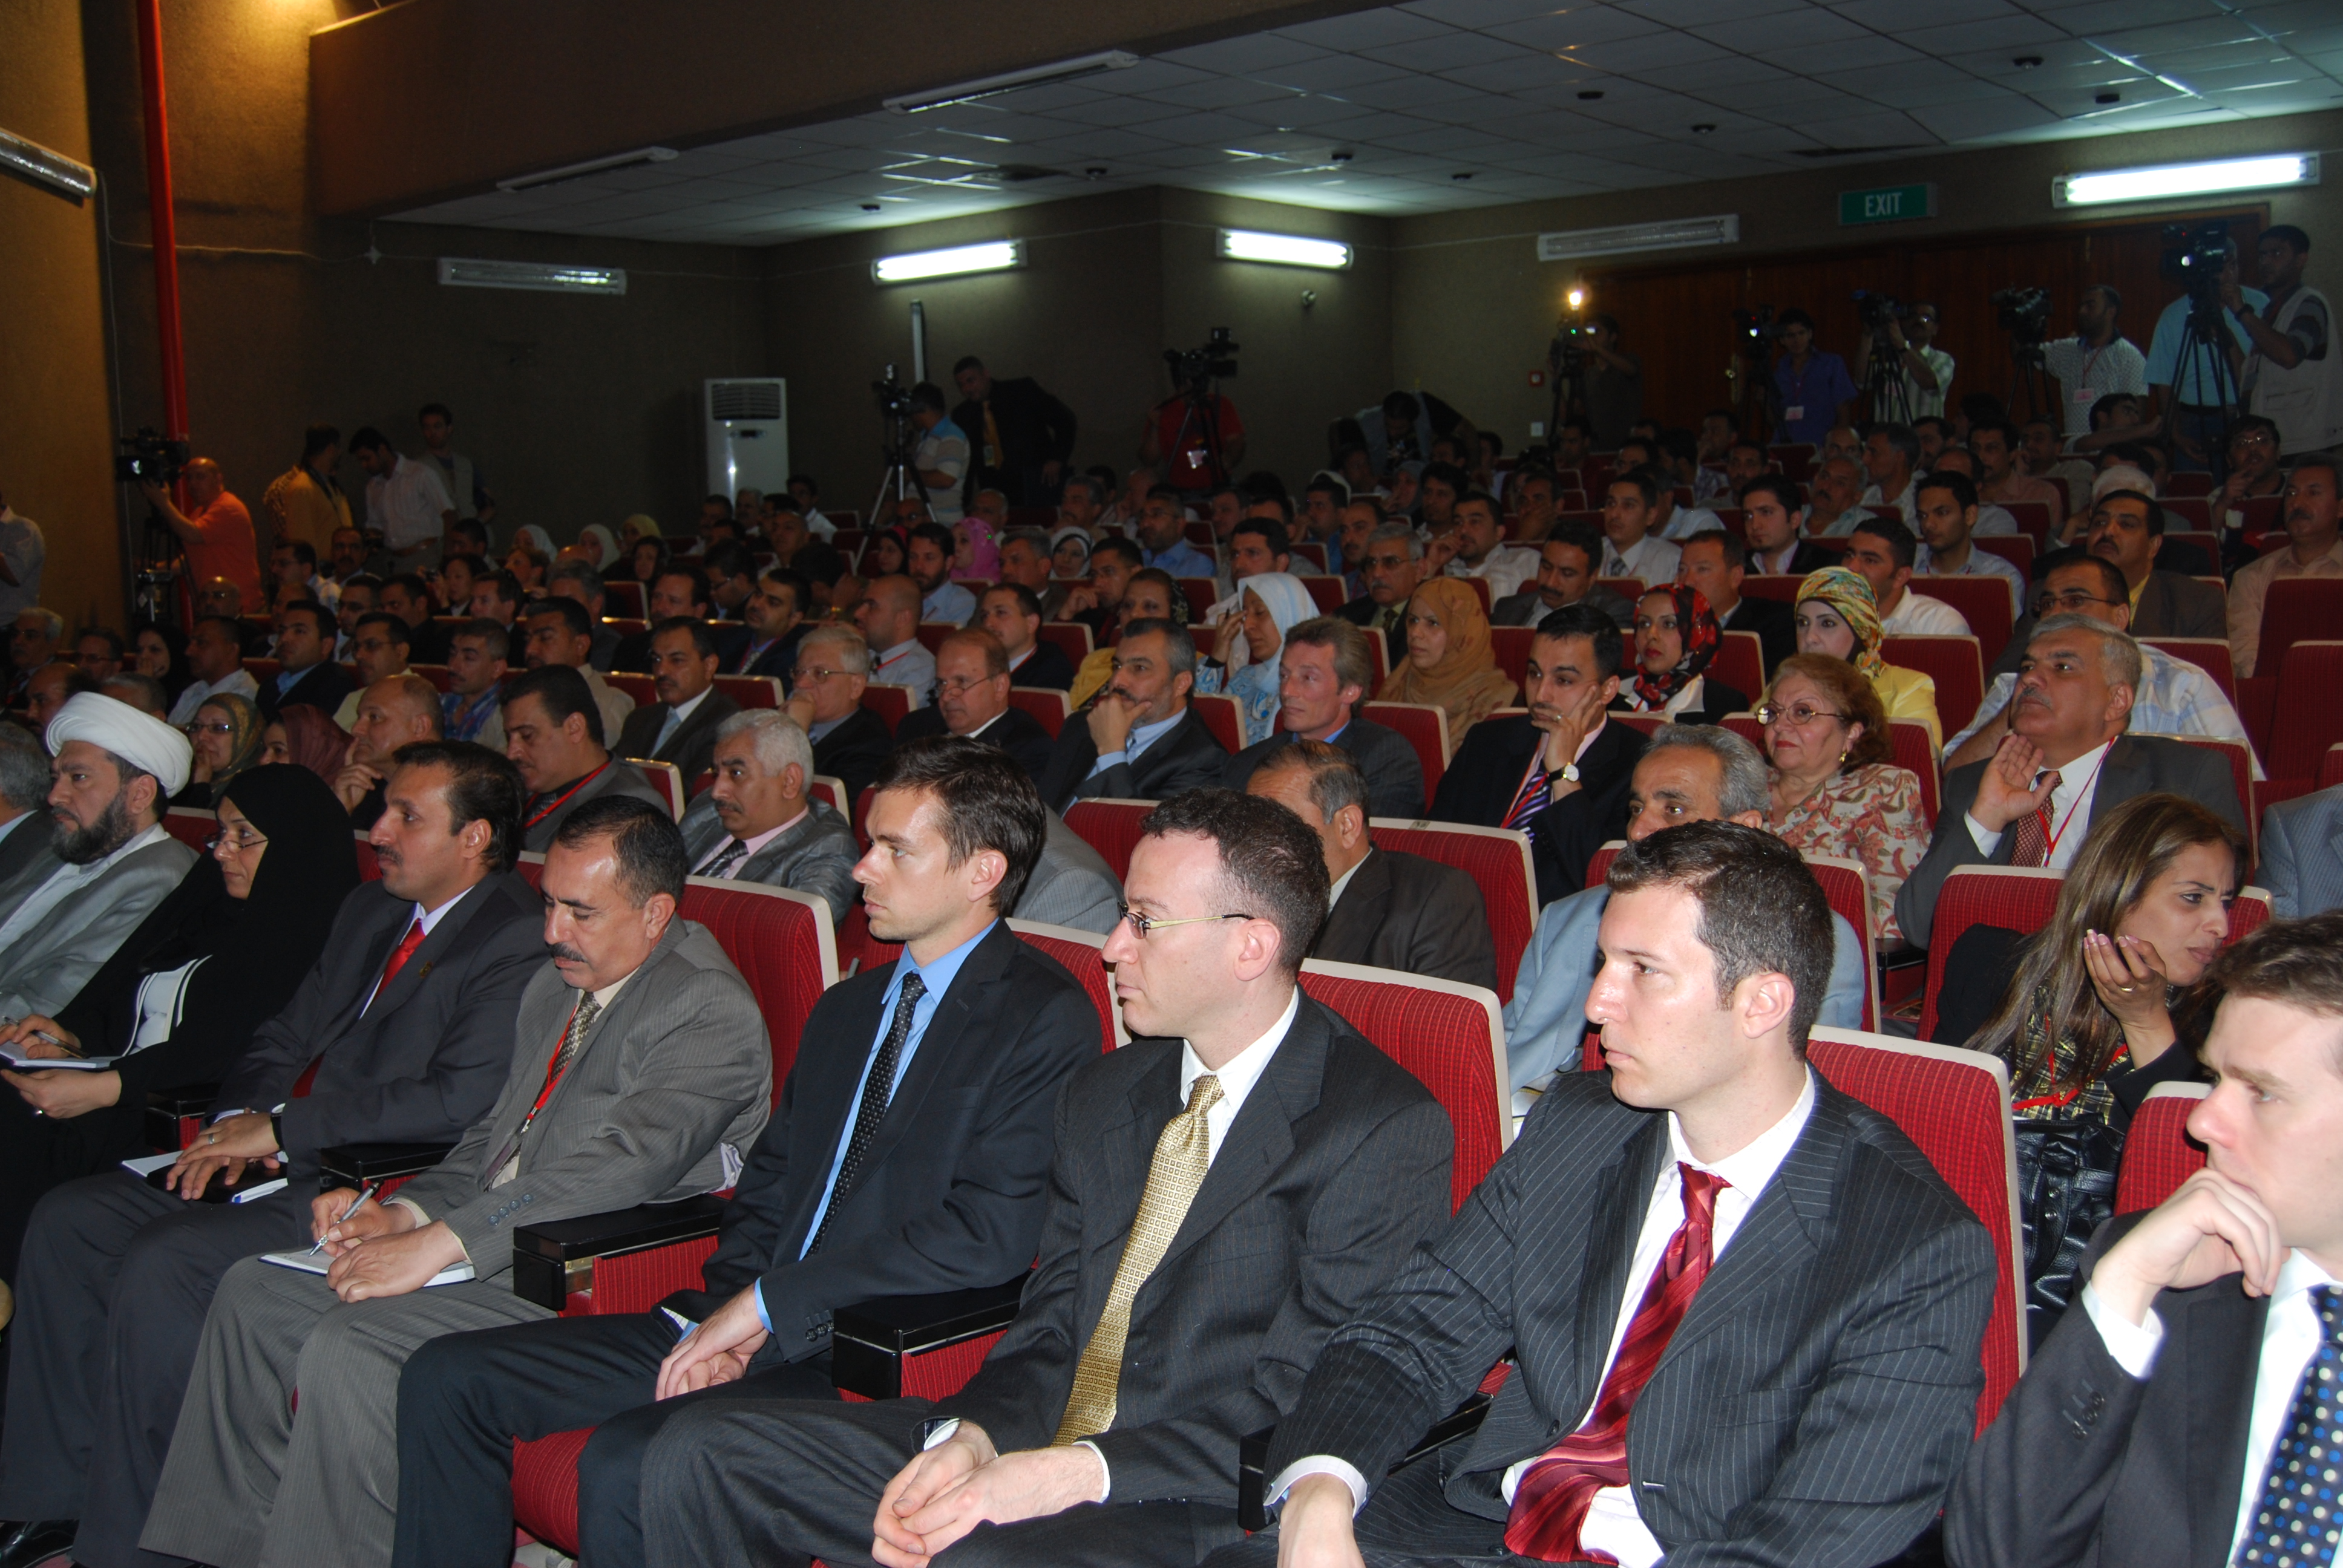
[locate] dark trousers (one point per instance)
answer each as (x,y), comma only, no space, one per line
(111,1293)
(781,1481)
(464,1398)
(1408,1522)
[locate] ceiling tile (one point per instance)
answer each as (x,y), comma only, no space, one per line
(2014,34)
(1658,54)
(1218,92)
(1245,55)
(1483,13)
(1403,93)
(1896,16)
(1448,52)
(1566,30)
(1118,111)
(1363,30)
(1994,118)
(1811,28)
(1329,73)
(1523,70)
(1876,52)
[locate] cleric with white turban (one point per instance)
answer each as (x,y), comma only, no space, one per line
(147,744)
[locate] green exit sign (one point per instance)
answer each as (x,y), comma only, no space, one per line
(1888,203)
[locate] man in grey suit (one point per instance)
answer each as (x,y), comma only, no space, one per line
(1746,1311)
(1324,672)
(2302,854)
(553,734)
(1140,738)
(640,1074)
(1304,1166)
(1072,884)
(755,823)
(1386,908)
(25,841)
(1568,561)
(681,727)
(401,1033)
(2066,763)
(114,768)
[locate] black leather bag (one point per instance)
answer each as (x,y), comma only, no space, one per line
(2066,1192)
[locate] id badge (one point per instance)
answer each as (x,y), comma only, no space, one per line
(2084,396)
(1793,415)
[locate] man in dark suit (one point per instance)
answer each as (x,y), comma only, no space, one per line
(1567,560)
(1387,909)
(680,590)
(2185,1415)
(1012,612)
(850,743)
(409,597)
(553,734)
(948,1192)
(1561,774)
(25,841)
(1192,1261)
(1745,1311)
(1323,673)
(305,640)
(400,1034)
(2128,529)
(1019,436)
(681,727)
(774,620)
(1716,562)
(1139,740)
(972,701)
(1772,513)
(2065,764)
(1393,567)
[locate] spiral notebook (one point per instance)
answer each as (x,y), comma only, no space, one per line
(317,1264)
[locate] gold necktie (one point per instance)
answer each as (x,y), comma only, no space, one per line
(1183,1155)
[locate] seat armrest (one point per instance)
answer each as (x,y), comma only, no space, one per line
(170,1112)
(359,1164)
(1890,959)
(553,1260)
(870,1340)
(1252,1455)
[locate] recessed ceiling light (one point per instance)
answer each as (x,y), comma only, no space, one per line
(1341,155)
(1590,94)
(2109,98)
(1702,130)
(1465,175)
(871,206)
(467,272)
(2026,62)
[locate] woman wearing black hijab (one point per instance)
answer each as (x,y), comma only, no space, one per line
(180,998)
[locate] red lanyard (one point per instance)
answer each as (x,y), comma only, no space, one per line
(554,1069)
(2042,813)
(555,806)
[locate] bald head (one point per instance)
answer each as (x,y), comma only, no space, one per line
(395,710)
(889,612)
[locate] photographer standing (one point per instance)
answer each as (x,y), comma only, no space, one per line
(1023,435)
(1815,390)
(1612,389)
(940,459)
(2199,396)
(2291,379)
(2094,362)
(1927,371)
(217,534)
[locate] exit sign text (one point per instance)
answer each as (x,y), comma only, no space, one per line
(1888,203)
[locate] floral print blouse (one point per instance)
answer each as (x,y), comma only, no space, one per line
(1870,815)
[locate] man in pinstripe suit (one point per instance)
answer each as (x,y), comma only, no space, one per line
(1745,1311)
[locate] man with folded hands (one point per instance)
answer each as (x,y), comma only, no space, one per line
(909,1153)
(640,1070)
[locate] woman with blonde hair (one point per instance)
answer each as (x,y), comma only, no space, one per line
(1835,790)
(2093,1010)
(1450,662)
(1836,614)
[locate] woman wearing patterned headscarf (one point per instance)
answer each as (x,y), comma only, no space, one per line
(1836,614)
(226,734)
(1450,663)
(1677,635)
(309,738)
(1271,604)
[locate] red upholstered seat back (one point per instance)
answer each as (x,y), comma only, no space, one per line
(1916,755)
(750,691)
(1498,862)
(2297,610)
(1045,705)
(1221,717)
(1450,1036)
(1954,1106)
(1424,726)
(190,827)
(892,703)
(781,941)
(1740,663)
(2309,719)
(1072,637)
(1111,828)
(1953,663)
(2158,1155)
(1077,950)
(369,867)
(1983,601)
(1511,644)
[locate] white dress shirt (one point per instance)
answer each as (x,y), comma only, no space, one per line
(2289,1339)
(2070,810)
(1902,504)
(1652,559)
(1919,614)
(237,680)
(1612,1525)
(410,504)
(1686,521)
(1505,569)
(753,848)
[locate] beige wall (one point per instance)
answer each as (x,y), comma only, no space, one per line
(1473,308)
(55,458)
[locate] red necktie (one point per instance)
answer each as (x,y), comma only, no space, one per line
(1551,1503)
(2030,842)
(397,959)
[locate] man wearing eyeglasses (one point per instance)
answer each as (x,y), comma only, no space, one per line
(850,743)
(973,702)
(2174,697)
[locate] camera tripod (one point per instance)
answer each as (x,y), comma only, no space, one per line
(899,481)
(2206,331)
(2029,383)
(1200,408)
(1883,391)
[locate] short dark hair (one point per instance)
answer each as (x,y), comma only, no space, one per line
(1795,317)
(1901,542)
(2246,424)
(301,550)
(1736,554)
(1647,484)
(1179,643)
(1777,487)
(2155,512)
(1579,535)
(401,632)
(114,640)
(413,585)
(1401,406)
(507,585)
(483,786)
(1584,621)
(967,362)
(939,535)
(1761,910)
(319,616)
(2009,434)
(2287,234)
(807,481)
(573,614)
(2111,578)
(1116,545)
(699,580)
(469,529)
(2297,963)
(319,438)
(490,635)
(644,840)
(729,559)
(563,691)
(1027,602)
(703,639)
(430,408)
(1272,863)
(1448,474)
(985,801)
(366,438)
(1962,487)
(928,394)
(1483,498)
(1271,531)
(1336,782)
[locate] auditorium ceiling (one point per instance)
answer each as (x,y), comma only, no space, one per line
(1440,104)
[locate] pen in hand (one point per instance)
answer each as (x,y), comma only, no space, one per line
(353,1209)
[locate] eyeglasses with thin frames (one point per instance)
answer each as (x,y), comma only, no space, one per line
(1802,714)
(245,839)
(2071,601)
(1141,924)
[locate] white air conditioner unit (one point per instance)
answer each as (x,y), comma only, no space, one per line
(748,423)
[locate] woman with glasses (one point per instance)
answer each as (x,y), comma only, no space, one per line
(1451,663)
(1676,635)
(1836,614)
(226,734)
(2093,1010)
(178,1002)
(1835,790)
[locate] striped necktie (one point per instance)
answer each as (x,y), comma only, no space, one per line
(721,863)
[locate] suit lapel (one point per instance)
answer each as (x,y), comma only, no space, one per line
(1353,919)
(2223,1334)
(1619,1207)
(1260,1139)
(1157,759)
(420,963)
(938,1041)
(2123,774)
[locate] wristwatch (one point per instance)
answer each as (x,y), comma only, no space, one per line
(1570,772)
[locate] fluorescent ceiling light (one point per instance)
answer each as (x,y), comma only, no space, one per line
(590,166)
(463,271)
(1284,249)
(2185,179)
(46,167)
(1678,234)
(1010,81)
(993,255)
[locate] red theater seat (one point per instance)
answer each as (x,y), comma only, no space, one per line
(1046,705)
(1421,726)
(2158,1155)
(1498,862)
(1110,827)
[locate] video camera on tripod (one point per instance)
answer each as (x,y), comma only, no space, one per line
(1878,310)
(2196,255)
(1195,368)
(149,458)
(2024,314)
(1753,329)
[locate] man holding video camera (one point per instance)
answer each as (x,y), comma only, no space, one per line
(1927,370)
(2291,377)
(2198,389)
